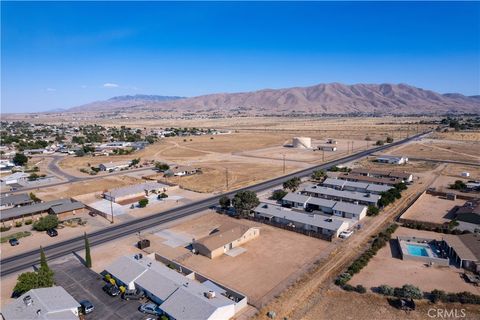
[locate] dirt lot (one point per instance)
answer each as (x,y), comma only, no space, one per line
(468,151)
(259,276)
(430,208)
(77,188)
(457,135)
(386,267)
(337,304)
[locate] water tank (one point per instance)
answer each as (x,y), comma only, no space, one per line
(302,142)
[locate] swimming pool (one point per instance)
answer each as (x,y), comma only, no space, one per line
(416,250)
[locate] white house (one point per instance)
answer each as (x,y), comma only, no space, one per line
(16,177)
(114,166)
(42,304)
(392,159)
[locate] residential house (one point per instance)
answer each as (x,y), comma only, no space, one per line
(403,176)
(114,166)
(392,159)
(53,303)
(464,250)
(340,184)
(181,171)
(135,191)
(224,238)
(14,178)
(15,200)
(60,206)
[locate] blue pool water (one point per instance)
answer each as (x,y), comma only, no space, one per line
(418,251)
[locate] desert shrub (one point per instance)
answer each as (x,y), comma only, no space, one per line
(343,279)
(348,287)
(3,229)
(385,290)
(18,224)
(408,291)
(360,289)
(278,194)
(143,203)
(28,222)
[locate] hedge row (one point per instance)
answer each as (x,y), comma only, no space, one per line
(378,242)
(446,230)
(461,297)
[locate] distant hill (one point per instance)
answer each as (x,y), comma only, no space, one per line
(332,98)
(121,102)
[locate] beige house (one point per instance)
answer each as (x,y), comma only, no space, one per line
(226,237)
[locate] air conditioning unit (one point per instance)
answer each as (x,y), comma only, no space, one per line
(210,294)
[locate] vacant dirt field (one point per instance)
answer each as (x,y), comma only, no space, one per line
(386,267)
(337,304)
(457,135)
(270,260)
(441,150)
(455,170)
(429,208)
(87,186)
(411,166)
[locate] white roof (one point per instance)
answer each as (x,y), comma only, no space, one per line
(349,207)
(53,303)
(136,188)
(351,195)
(14,176)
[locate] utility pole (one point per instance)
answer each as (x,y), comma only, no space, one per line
(111,205)
(284,163)
(323,155)
(352,146)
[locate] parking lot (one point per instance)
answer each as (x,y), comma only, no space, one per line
(84,284)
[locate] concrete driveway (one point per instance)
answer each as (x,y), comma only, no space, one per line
(84,284)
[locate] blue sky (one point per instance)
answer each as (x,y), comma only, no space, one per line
(63,54)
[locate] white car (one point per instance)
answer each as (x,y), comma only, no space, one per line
(345,234)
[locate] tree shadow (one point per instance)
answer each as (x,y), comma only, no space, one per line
(80,258)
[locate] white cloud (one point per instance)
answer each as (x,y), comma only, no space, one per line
(110,85)
(51,89)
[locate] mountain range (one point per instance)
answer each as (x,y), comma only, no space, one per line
(332,98)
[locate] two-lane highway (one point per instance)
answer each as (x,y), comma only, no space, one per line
(28,259)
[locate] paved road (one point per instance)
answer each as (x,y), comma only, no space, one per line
(28,259)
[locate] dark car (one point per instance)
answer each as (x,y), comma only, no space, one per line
(133,295)
(14,242)
(52,232)
(86,306)
(111,290)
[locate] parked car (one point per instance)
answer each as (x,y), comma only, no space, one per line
(111,290)
(52,232)
(14,242)
(150,308)
(308,209)
(86,306)
(345,234)
(133,295)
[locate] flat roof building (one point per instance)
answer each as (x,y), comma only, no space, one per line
(341,195)
(114,166)
(134,191)
(392,159)
(404,176)
(179,295)
(367,179)
(52,207)
(323,224)
(340,184)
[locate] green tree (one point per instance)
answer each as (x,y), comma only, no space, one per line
(143,203)
(224,202)
(34,197)
(458,185)
(33,177)
(292,184)
(408,291)
(45,223)
(161,166)
(389,140)
(88,257)
(43,259)
(318,175)
(20,159)
(244,201)
(372,210)
(134,162)
(25,282)
(379,143)
(278,194)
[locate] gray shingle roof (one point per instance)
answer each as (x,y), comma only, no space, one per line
(36,208)
(15,199)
